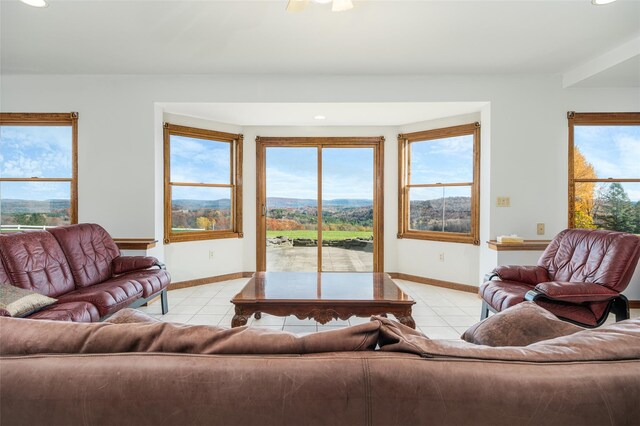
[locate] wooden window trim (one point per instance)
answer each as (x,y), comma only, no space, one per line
(50,119)
(236,141)
(593,119)
(404,140)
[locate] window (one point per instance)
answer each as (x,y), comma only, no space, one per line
(439,180)
(203,184)
(604,171)
(38,170)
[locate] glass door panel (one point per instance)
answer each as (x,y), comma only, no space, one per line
(291,209)
(347,209)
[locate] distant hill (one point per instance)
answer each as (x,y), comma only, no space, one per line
(287,203)
(284,203)
(29,206)
(223,203)
(348,202)
(452,205)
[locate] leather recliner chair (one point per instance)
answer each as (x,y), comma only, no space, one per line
(578,278)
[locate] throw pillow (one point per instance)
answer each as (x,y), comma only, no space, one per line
(128,316)
(520,325)
(18,302)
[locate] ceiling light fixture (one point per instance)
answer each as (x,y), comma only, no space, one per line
(319,117)
(336,5)
(601,2)
(35,3)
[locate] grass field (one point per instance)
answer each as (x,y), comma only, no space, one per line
(326,235)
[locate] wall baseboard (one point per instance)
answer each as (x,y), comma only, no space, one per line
(634,304)
(209,280)
(438,283)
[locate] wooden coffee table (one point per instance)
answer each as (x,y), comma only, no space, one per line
(322,296)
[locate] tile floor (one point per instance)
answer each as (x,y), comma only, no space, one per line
(439,313)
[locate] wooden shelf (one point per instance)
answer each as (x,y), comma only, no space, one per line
(531,245)
(135,243)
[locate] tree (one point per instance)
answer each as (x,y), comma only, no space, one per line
(617,211)
(584,197)
(636,218)
(205,223)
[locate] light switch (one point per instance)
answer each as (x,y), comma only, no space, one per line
(540,228)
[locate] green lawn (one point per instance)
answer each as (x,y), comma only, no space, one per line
(326,235)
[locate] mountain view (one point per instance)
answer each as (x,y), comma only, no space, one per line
(427,215)
(54,212)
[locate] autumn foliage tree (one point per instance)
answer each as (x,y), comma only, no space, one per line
(584,195)
(283,224)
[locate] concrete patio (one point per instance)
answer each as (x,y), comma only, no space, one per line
(288,259)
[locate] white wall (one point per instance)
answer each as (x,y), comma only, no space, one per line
(524,143)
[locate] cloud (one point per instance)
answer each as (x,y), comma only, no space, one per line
(287,185)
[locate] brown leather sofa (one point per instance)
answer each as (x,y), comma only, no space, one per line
(81,267)
(154,373)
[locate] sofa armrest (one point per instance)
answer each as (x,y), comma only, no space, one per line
(525,274)
(125,264)
(572,292)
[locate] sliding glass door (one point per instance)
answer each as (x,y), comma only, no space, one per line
(291,209)
(320,204)
(347,209)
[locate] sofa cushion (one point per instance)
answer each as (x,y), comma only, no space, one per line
(4,277)
(586,255)
(151,280)
(24,337)
(129,316)
(583,313)
(502,294)
(71,311)
(109,296)
(615,342)
(18,302)
(123,264)
(519,325)
(34,261)
(89,250)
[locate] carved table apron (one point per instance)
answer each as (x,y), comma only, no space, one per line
(322,296)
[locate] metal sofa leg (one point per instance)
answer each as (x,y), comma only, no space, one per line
(164,301)
(484,313)
(620,306)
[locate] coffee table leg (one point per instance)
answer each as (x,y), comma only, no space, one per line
(258,315)
(240,318)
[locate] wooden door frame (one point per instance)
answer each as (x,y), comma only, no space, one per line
(376,142)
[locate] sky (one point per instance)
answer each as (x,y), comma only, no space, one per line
(447,160)
(614,151)
(45,151)
(347,173)
(35,151)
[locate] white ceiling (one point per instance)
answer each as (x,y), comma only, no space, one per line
(376,37)
(337,114)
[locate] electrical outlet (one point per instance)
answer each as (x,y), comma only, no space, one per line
(210,254)
(540,228)
(503,202)
(441,257)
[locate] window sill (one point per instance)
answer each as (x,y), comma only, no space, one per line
(448,237)
(201,236)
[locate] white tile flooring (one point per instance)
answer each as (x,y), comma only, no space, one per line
(439,313)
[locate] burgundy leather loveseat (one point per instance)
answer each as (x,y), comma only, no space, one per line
(80,266)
